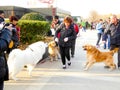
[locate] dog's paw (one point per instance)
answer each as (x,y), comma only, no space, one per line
(111,69)
(51,60)
(85,69)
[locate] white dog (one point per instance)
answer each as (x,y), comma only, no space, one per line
(30,57)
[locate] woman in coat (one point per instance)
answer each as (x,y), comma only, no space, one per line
(15,33)
(65,33)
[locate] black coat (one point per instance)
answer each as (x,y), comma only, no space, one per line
(5,38)
(114,31)
(2,20)
(69,33)
(15,37)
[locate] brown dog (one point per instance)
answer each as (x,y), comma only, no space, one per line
(94,56)
(53,50)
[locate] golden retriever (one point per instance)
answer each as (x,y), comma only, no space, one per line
(53,50)
(94,55)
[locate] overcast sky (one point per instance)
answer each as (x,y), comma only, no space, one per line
(76,7)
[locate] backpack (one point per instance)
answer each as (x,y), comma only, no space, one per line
(76,28)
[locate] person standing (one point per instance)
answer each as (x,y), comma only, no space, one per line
(83,26)
(106,37)
(114,31)
(76,28)
(55,23)
(5,39)
(15,32)
(99,28)
(66,34)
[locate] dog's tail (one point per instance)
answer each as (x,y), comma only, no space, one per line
(11,57)
(114,50)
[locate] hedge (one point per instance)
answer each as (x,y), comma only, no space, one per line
(33,16)
(32,31)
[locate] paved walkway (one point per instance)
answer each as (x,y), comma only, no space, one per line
(51,76)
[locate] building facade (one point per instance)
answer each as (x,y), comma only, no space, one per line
(45,12)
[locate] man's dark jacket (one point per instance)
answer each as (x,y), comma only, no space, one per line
(5,38)
(114,31)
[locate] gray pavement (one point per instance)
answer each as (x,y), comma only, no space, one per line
(51,76)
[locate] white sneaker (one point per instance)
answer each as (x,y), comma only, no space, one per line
(64,66)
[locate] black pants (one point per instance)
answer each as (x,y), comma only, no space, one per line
(116,46)
(65,53)
(73,47)
(1,85)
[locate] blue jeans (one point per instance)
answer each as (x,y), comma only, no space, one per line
(108,42)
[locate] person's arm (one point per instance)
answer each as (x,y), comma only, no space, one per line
(99,26)
(5,39)
(58,29)
(106,32)
(1,24)
(107,29)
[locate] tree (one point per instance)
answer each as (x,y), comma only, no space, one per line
(75,19)
(93,16)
